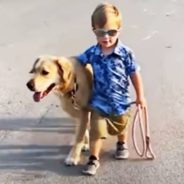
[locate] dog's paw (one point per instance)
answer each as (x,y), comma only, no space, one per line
(71,161)
(85,147)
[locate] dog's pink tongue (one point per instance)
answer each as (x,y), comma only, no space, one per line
(37,96)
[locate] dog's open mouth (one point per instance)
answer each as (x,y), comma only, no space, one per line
(39,95)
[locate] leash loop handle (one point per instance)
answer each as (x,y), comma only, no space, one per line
(141,117)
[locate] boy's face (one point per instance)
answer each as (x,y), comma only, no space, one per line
(107,36)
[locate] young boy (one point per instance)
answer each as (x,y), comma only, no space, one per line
(112,64)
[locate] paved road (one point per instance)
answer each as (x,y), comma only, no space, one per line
(35,137)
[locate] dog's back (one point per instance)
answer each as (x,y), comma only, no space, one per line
(84,81)
(84,88)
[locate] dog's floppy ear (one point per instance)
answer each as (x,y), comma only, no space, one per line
(64,68)
(34,66)
(60,69)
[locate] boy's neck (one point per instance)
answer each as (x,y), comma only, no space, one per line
(108,51)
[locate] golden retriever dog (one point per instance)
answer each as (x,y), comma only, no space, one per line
(72,83)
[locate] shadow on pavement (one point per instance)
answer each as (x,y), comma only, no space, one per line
(37,156)
(64,125)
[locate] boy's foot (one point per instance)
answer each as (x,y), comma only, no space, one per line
(121,151)
(91,166)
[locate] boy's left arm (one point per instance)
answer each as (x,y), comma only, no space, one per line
(138,86)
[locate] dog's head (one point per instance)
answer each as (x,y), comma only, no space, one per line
(49,73)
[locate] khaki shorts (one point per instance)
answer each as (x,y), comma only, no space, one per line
(101,125)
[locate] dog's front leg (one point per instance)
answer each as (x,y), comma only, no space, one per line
(74,156)
(86,141)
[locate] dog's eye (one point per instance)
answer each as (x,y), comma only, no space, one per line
(44,72)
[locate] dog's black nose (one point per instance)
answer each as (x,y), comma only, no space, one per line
(30,85)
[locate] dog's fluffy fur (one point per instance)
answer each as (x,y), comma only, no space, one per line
(72,83)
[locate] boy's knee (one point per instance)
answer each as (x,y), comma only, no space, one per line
(96,135)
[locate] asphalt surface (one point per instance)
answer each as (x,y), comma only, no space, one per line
(35,137)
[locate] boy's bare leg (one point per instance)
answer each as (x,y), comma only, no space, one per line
(95,147)
(98,129)
(123,137)
(93,163)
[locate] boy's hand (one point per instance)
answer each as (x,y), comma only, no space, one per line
(141,101)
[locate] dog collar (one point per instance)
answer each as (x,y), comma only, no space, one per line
(72,94)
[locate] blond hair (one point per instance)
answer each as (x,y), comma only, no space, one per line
(106,13)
